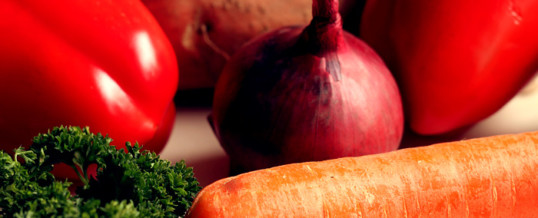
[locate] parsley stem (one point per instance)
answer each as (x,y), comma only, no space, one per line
(82,178)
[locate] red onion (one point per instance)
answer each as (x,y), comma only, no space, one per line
(306,94)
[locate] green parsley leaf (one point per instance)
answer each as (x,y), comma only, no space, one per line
(129,183)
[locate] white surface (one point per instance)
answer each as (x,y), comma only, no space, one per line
(518,115)
(193,140)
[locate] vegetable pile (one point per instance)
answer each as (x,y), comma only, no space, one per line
(485,177)
(320,109)
(128,183)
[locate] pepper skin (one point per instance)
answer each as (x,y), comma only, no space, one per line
(105,64)
(456,62)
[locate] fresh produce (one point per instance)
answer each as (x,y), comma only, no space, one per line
(456,62)
(205,33)
(105,64)
(484,177)
(306,93)
(130,183)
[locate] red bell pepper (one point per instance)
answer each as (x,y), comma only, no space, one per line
(457,62)
(104,64)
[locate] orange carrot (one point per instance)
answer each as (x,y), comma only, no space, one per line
(485,177)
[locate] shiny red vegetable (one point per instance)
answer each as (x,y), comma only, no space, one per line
(104,64)
(456,62)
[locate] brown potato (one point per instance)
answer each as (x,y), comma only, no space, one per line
(205,33)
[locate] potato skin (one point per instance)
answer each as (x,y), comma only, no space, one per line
(205,33)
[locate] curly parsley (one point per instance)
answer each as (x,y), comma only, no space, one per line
(129,183)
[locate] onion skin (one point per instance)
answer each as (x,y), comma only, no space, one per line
(279,100)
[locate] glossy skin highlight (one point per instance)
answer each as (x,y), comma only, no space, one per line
(456,62)
(102,64)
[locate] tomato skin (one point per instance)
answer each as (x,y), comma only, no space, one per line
(103,64)
(456,62)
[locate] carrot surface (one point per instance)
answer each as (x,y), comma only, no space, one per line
(485,177)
